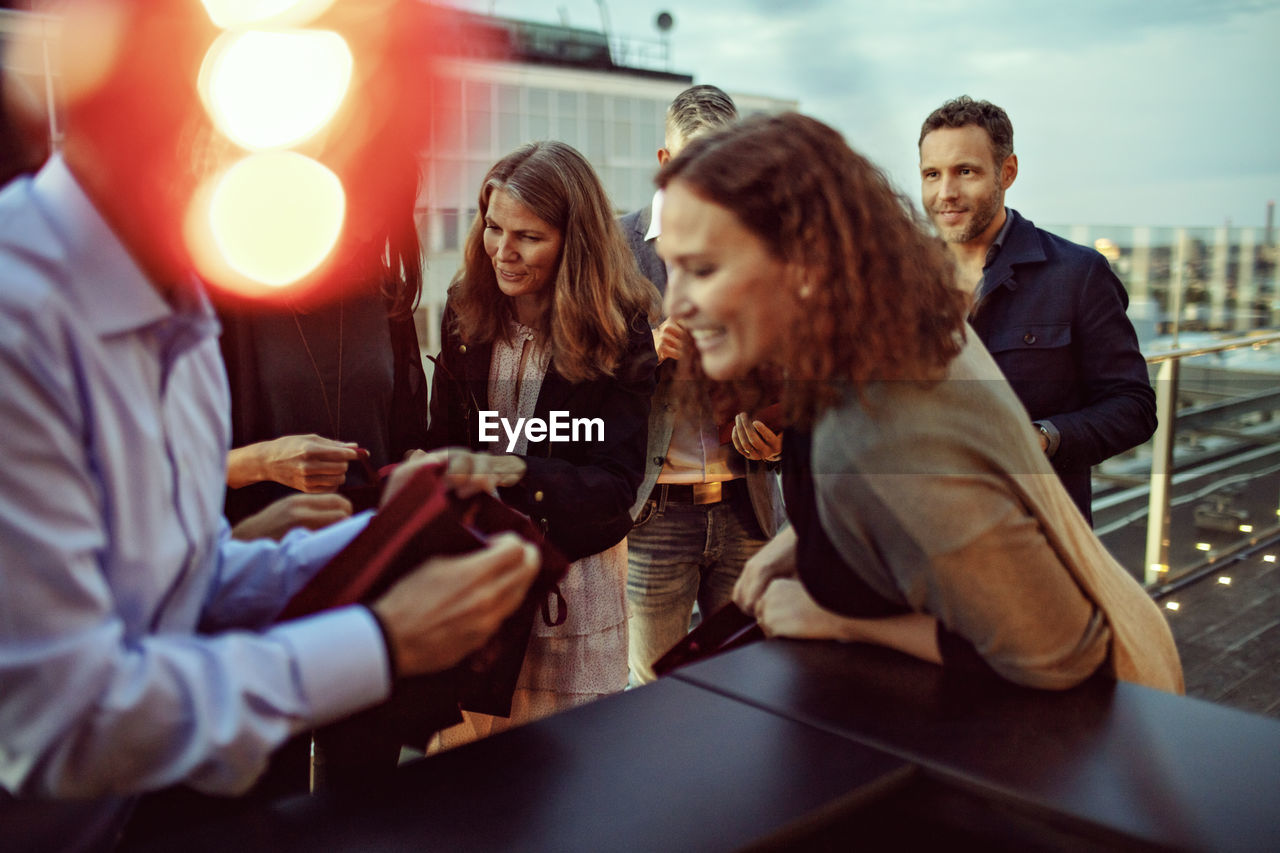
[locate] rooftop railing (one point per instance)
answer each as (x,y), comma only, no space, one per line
(1210,476)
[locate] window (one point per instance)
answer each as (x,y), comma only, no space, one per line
(568,113)
(446,106)
(451,183)
(449,228)
(595,150)
(539,114)
(479,118)
(509,112)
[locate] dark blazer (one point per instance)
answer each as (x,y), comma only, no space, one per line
(1052,314)
(634,226)
(579,492)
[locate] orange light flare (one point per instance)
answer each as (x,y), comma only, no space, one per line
(271,219)
(363,113)
(271,89)
(274,217)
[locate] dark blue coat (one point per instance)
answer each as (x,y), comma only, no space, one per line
(1052,313)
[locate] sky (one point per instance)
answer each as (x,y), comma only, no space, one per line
(1125,112)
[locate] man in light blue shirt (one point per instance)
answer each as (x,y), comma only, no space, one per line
(137,648)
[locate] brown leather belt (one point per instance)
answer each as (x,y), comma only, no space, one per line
(699,493)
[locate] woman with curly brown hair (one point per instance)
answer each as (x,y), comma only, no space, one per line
(924,516)
(549,314)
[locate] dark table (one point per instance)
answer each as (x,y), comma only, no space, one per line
(1115,762)
(670,767)
(787,745)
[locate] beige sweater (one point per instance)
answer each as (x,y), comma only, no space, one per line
(940,497)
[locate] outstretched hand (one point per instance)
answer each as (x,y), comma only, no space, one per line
(466,472)
(470,473)
(309,463)
(279,517)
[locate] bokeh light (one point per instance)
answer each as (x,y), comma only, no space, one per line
(274,89)
(275,216)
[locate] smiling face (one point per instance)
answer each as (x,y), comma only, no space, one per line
(723,284)
(961,185)
(525,252)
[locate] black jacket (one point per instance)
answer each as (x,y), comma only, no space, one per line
(579,492)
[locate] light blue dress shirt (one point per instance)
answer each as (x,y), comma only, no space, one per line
(135,642)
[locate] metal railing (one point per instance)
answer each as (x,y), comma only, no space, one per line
(1157,567)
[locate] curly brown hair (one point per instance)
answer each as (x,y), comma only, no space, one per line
(598,290)
(877,291)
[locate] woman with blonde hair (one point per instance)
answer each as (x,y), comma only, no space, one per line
(548,321)
(924,516)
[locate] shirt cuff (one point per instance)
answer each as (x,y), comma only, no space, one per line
(341,660)
(1051,434)
(317,547)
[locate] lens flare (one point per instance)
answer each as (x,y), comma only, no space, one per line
(276,215)
(229,14)
(275,89)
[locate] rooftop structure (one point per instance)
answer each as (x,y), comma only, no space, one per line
(482,37)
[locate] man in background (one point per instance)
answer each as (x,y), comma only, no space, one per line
(1051,313)
(704,507)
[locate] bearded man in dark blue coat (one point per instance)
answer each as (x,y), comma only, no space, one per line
(1051,312)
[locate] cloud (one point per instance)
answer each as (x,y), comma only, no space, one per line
(1159,112)
(1102,94)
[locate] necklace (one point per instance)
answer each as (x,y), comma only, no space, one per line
(335,421)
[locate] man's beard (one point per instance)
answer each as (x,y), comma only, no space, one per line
(984,213)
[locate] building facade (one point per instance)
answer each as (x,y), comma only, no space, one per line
(512,82)
(1221,279)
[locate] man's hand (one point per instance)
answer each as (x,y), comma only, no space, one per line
(450,606)
(670,340)
(754,440)
(777,559)
(308,463)
(279,517)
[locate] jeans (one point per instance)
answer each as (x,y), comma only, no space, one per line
(680,553)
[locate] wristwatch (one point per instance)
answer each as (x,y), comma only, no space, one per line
(1051,437)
